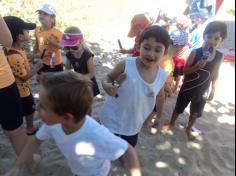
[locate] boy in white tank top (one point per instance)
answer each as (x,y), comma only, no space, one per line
(128,104)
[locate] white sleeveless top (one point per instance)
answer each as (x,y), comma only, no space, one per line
(126,114)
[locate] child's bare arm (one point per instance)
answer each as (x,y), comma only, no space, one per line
(5,35)
(68,64)
(26,157)
(160,101)
(54,43)
(131,162)
(188,69)
(117,74)
(215,81)
(91,68)
(33,71)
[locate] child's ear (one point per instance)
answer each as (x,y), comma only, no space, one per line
(166,51)
(20,37)
(68,117)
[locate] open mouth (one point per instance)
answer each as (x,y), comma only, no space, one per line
(149,60)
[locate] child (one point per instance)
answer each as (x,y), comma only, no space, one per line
(138,24)
(199,20)
(19,64)
(48,39)
(79,56)
(11,119)
(64,100)
(129,104)
(180,53)
(201,71)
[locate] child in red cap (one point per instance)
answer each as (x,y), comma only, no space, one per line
(138,24)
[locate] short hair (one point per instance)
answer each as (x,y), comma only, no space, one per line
(216,26)
(68,92)
(161,35)
(72,30)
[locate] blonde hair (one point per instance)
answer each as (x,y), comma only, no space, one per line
(54,20)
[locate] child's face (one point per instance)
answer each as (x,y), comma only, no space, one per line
(44,18)
(151,52)
(44,108)
(24,37)
(76,50)
(213,39)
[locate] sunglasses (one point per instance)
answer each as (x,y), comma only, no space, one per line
(71,48)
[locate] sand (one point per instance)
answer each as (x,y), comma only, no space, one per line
(212,154)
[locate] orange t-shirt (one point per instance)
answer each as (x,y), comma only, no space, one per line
(20,68)
(42,36)
(6,76)
(168,66)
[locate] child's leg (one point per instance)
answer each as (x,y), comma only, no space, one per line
(196,110)
(171,124)
(177,81)
(183,100)
(192,120)
(18,139)
(28,107)
(30,124)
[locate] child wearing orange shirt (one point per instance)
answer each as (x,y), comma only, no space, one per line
(19,64)
(11,120)
(48,39)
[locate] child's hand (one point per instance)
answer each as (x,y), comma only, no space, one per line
(123,51)
(39,64)
(201,64)
(13,172)
(113,88)
(211,96)
(50,41)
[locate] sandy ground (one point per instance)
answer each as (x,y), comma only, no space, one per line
(212,154)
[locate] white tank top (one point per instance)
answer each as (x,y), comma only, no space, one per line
(126,114)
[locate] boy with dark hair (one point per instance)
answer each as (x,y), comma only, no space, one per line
(19,64)
(135,85)
(65,99)
(201,71)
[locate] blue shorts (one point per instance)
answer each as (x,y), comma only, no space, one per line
(11,116)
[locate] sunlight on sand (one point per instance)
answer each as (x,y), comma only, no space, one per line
(161,165)
(165,146)
(194,145)
(181,161)
(108,64)
(176,150)
(226,119)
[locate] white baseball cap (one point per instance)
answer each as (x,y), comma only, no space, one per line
(47,8)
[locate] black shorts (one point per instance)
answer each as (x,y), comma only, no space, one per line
(47,68)
(28,105)
(178,71)
(11,116)
(132,140)
(196,107)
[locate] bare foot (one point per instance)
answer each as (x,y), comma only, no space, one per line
(190,134)
(166,128)
(31,166)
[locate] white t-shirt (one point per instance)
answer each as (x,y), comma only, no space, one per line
(126,114)
(88,150)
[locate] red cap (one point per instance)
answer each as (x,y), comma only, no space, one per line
(139,22)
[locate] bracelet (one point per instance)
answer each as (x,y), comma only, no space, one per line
(115,83)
